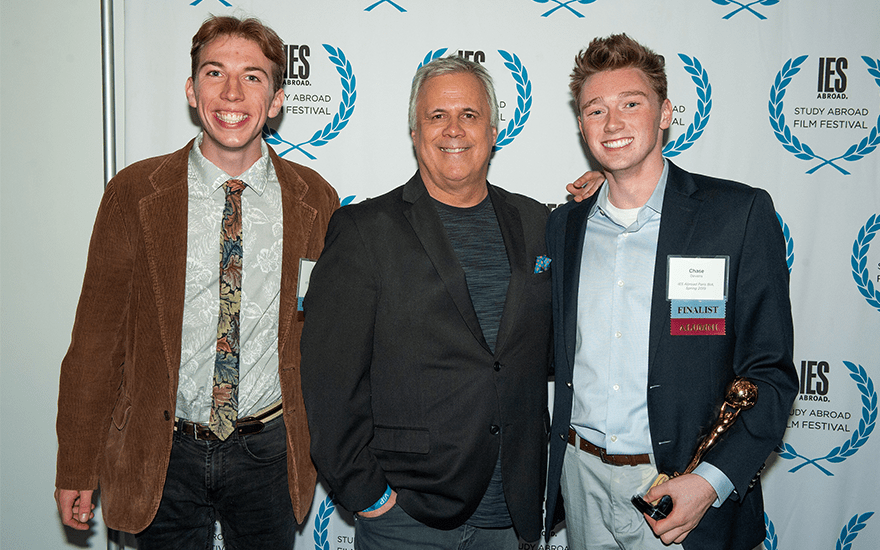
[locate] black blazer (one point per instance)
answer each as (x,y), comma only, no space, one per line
(400,386)
(687,375)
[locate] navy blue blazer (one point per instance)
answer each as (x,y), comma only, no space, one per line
(687,375)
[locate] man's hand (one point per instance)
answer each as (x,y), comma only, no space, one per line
(75,507)
(384,508)
(586,185)
(691,497)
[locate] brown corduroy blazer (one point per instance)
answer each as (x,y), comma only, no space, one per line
(118,384)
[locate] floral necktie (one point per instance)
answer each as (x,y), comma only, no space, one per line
(224,407)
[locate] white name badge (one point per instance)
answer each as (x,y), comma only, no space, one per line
(696,278)
(302,285)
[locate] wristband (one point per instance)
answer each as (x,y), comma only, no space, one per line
(381,502)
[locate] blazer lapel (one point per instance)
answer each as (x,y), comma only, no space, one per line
(677,221)
(163,217)
(298,219)
(426,223)
(575,229)
(514,241)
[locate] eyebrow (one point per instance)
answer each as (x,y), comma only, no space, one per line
(469,110)
(621,95)
(220,65)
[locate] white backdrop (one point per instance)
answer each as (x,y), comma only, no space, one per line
(779,94)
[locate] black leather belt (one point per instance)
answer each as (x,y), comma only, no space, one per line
(614,460)
(249,425)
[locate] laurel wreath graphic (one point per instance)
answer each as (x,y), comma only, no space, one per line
(859,261)
(859,437)
(370,8)
(770,540)
(851,530)
(563,5)
(704,107)
(340,119)
(523,100)
(322,520)
(224,2)
(432,55)
(800,149)
(523,91)
(789,242)
(746,7)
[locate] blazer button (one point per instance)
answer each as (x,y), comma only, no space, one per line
(497,366)
(494,430)
(167,416)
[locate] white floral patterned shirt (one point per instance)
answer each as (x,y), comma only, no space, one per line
(261,287)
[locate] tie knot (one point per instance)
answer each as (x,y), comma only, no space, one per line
(233,186)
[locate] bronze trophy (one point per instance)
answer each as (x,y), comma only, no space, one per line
(741,395)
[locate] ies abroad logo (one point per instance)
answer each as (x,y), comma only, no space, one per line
(312,100)
(523,104)
(815,412)
(831,114)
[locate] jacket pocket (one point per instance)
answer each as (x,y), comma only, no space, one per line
(401,440)
(121,412)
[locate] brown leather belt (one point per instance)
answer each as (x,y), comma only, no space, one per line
(249,425)
(614,460)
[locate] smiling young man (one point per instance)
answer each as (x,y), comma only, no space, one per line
(428,319)
(634,389)
(180,392)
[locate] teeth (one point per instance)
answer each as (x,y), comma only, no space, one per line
(453,149)
(617,143)
(231,118)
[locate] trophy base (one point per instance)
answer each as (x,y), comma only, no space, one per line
(654,511)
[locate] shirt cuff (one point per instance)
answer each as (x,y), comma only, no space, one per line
(382,500)
(716,478)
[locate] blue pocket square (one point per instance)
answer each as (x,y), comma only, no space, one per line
(542,264)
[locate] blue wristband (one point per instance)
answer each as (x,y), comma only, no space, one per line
(381,502)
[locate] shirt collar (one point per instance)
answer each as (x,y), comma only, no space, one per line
(654,204)
(209,177)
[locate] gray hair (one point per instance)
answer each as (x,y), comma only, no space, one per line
(450,65)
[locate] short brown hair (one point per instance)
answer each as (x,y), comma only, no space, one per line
(250,29)
(618,51)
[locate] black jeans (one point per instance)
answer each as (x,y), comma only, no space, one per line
(242,482)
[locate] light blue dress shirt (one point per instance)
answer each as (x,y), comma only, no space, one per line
(610,405)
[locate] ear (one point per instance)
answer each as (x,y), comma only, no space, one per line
(277,102)
(494,135)
(665,114)
(581,128)
(191,92)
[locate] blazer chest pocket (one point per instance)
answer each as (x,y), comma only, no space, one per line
(401,440)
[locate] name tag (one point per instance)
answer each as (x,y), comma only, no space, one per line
(302,285)
(696,288)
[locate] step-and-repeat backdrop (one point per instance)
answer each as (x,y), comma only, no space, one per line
(779,94)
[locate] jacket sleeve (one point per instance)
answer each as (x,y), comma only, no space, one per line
(763,348)
(91,371)
(340,308)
